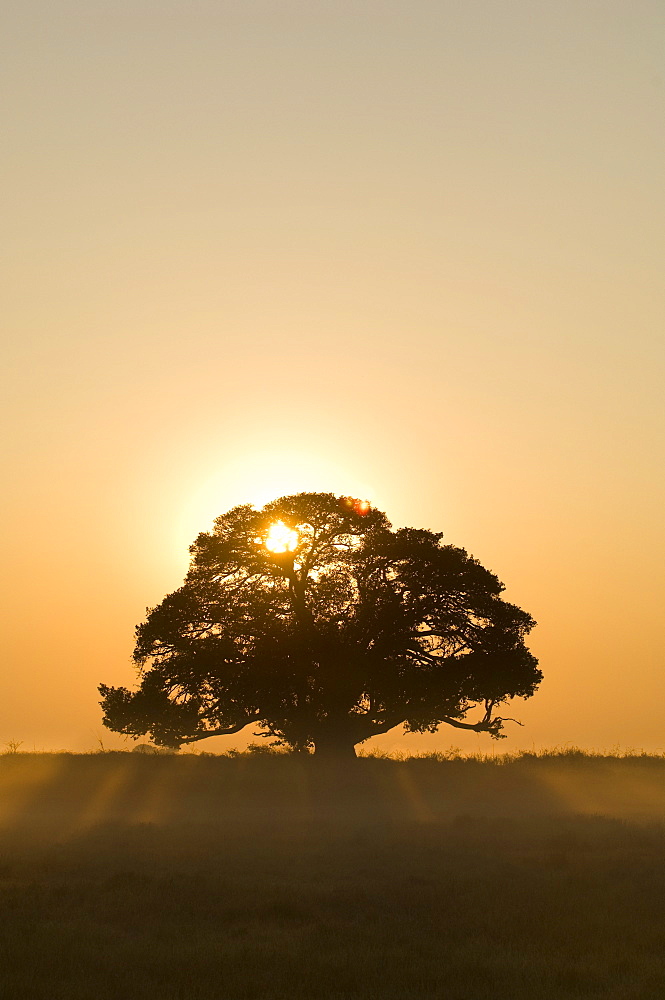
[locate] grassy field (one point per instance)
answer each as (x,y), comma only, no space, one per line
(263,876)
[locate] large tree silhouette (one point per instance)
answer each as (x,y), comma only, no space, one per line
(314,621)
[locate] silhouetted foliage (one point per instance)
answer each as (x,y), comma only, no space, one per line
(355,631)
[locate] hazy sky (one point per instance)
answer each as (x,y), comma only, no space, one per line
(405,250)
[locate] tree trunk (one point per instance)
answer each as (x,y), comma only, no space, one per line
(334,747)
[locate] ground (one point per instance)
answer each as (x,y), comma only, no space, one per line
(204,878)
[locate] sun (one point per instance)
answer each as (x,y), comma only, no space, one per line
(257,475)
(280,538)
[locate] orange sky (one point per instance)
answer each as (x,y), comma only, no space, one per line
(409,251)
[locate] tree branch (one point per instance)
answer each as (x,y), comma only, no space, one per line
(384,727)
(476,727)
(204,734)
(486,725)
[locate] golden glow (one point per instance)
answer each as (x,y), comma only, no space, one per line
(254,474)
(489,367)
(280,538)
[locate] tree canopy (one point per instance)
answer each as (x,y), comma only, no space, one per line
(316,622)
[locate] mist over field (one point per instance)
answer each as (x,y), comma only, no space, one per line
(251,876)
(74,793)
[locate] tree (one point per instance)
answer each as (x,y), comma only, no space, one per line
(315,621)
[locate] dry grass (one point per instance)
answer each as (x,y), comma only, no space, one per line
(219,878)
